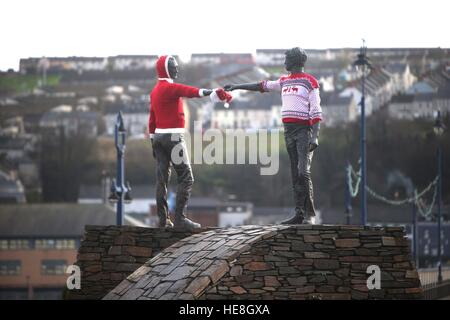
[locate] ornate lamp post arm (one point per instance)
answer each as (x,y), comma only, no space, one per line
(120,192)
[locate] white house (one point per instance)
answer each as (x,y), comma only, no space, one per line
(338,110)
(425,105)
(132,62)
(402,78)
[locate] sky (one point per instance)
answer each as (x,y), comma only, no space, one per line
(112,27)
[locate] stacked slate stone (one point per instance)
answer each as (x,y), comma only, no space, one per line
(108,254)
(278,262)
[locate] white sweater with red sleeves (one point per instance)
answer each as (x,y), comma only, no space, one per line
(300,97)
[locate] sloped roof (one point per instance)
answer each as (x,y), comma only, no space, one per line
(396,67)
(252,101)
(52,220)
(333,99)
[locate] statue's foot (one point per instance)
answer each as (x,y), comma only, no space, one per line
(185,223)
(297,218)
(165,223)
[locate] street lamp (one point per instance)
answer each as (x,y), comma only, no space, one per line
(363,66)
(348,196)
(119,192)
(439,129)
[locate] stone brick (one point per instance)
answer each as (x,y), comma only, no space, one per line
(325,289)
(115,276)
(301,262)
(256,265)
(312,238)
(297,281)
(402,265)
(269,289)
(253,285)
(198,285)
(115,250)
(245,278)
(236,271)
(132,294)
(305,289)
(238,290)
(216,270)
(179,273)
(413,290)
(124,240)
(271,281)
(139,251)
(347,243)
(88,257)
(301,246)
(316,279)
(159,290)
(342,273)
(336,296)
(412,274)
(288,270)
(326,264)
(127,267)
(316,255)
(273,258)
(388,241)
(93,268)
(125,258)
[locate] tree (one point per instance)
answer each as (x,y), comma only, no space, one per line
(61,164)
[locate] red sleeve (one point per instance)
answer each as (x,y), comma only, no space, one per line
(151,121)
(182,90)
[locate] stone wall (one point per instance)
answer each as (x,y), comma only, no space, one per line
(278,262)
(108,254)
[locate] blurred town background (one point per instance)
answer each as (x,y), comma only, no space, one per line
(57,153)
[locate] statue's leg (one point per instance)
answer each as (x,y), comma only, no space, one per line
(304,172)
(291,146)
(309,204)
(185,182)
(291,136)
(162,179)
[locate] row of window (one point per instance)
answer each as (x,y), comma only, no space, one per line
(21,244)
(48,267)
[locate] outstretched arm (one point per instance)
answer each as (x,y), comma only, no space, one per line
(256,86)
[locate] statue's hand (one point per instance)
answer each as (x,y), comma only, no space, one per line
(313,145)
(314,139)
(229,87)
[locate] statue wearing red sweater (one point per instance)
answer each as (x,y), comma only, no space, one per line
(166,128)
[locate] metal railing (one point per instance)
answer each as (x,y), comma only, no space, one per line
(432,288)
(429,276)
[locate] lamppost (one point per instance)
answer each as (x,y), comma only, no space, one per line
(415,233)
(119,192)
(348,196)
(439,129)
(363,65)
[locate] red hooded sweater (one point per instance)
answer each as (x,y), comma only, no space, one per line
(166,106)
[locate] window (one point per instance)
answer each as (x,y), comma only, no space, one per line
(44,244)
(65,244)
(14,244)
(10,267)
(59,244)
(53,267)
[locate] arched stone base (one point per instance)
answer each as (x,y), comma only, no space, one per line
(278,262)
